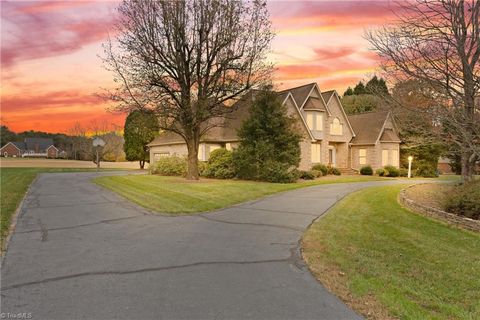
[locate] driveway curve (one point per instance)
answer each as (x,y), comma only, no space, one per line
(82,252)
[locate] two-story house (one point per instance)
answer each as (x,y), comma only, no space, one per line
(330,136)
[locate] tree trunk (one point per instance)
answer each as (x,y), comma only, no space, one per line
(467,167)
(142,164)
(192,159)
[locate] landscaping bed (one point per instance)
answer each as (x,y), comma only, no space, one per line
(387,262)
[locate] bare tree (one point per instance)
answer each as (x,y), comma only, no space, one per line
(188,61)
(438,43)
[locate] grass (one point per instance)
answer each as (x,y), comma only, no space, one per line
(177,196)
(14,183)
(387,262)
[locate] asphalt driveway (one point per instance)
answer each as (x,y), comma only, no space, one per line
(82,252)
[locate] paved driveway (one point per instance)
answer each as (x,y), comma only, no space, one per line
(81,252)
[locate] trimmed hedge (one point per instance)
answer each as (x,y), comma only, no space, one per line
(465,200)
(322,168)
(307,175)
(171,166)
(392,171)
(334,171)
(220,165)
(366,171)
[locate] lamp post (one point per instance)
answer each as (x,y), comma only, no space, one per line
(410,158)
(97,143)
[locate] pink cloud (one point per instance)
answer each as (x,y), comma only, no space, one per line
(327,53)
(34,30)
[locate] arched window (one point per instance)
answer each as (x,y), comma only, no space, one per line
(336,128)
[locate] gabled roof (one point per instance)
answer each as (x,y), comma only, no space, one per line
(19,145)
(300,94)
(38,143)
(368,126)
(327,95)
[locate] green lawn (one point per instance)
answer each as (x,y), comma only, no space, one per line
(178,196)
(386,261)
(14,183)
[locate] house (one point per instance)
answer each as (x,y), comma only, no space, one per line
(30,147)
(330,136)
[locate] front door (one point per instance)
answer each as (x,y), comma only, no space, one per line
(332,155)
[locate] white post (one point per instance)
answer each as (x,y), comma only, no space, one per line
(410,158)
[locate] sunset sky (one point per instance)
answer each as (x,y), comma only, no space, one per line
(50,69)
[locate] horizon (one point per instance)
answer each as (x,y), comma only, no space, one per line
(51,68)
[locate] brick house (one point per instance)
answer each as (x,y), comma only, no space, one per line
(30,147)
(330,136)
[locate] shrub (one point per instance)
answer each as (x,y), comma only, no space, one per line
(278,172)
(465,200)
(391,171)
(426,171)
(403,172)
(322,168)
(220,165)
(202,167)
(380,172)
(366,171)
(334,171)
(306,175)
(171,166)
(317,173)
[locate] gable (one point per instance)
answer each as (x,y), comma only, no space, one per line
(375,126)
(337,111)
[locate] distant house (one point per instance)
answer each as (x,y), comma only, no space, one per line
(330,136)
(30,147)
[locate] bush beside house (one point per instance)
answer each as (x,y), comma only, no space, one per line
(366,171)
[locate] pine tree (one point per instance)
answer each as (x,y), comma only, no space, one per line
(376,86)
(348,92)
(269,149)
(141,126)
(359,88)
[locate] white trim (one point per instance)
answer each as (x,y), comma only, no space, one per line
(343,112)
(51,146)
(12,145)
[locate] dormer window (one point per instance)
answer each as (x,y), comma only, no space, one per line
(315,120)
(336,127)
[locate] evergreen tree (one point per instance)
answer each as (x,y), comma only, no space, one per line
(269,149)
(376,86)
(359,88)
(141,126)
(348,92)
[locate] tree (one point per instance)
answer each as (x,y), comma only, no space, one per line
(359,89)
(377,86)
(141,127)
(438,42)
(355,104)
(6,135)
(269,147)
(188,61)
(348,92)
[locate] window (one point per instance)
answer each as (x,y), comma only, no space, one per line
(310,120)
(362,156)
(395,158)
(228,146)
(316,153)
(336,127)
(319,122)
(201,152)
(384,157)
(315,121)
(157,156)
